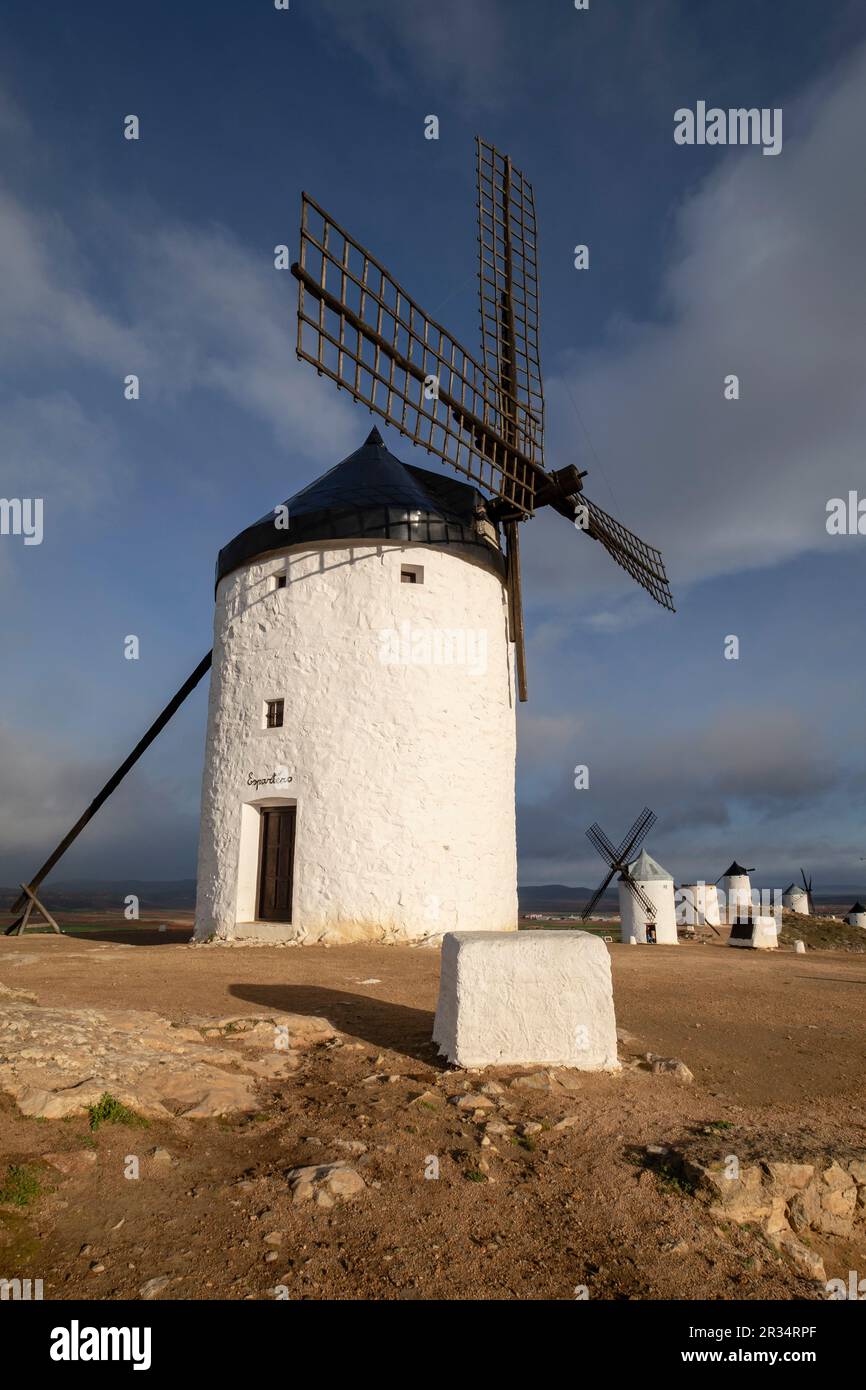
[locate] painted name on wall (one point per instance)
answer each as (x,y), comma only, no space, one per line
(276,779)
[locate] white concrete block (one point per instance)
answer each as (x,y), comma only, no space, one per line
(761,934)
(526,998)
(766,934)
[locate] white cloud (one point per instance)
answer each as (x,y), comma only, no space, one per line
(457,47)
(766,281)
(225,321)
(45,315)
(201,313)
(51,448)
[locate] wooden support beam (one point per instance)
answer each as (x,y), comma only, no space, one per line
(515,607)
(19,927)
(113,782)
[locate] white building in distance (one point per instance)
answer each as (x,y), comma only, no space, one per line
(698,905)
(359,779)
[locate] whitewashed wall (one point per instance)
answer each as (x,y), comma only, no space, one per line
(402,771)
(633,918)
(798,901)
(738,895)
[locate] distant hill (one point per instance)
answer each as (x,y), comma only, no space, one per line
(158,894)
(108,894)
(556,897)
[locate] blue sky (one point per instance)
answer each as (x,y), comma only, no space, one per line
(156,257)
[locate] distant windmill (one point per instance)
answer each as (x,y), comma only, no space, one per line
(618,860)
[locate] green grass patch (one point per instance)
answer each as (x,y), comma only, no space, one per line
(109,1111)
(670,1180)
(20,1186)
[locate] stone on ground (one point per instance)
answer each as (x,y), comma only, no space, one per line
(526,998)
(56,1062)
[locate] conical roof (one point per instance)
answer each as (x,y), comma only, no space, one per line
(735,871)
(370,495)
(857,908)
(793,888)
(645,869)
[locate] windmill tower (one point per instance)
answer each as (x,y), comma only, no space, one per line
(359,767)
(737,888)
(799,899)
(359,776)
(698,906)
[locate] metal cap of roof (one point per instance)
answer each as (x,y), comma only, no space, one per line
(370,496)
(735,871)
(645,869)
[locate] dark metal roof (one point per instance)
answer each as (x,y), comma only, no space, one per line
(857,908)
(735,871)
(371,495)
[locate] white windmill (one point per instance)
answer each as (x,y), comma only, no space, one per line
(369,639)
(797,898)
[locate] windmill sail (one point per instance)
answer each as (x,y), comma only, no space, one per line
(357,326)
(638,894)
(508,282)
(485,419)
(620,858)
(643,562)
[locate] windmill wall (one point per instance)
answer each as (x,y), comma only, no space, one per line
(698,905)
(796,901)
(397,746)
(633,917)
(737,890)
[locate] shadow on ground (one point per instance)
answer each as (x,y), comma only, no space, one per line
(132,936)
(374,1021)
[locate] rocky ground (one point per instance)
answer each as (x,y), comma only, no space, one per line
(281,1127)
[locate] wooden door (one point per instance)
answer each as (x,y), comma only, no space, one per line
(277,863)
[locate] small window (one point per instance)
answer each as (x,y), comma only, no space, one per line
(273,714)
(281,581)
(412,574)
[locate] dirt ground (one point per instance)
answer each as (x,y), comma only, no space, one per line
(776,1042)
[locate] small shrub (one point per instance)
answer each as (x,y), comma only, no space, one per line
(109,1111)
(20,1186)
